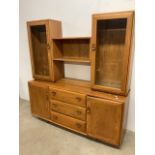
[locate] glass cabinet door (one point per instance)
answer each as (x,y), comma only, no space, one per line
(110,53)
(110,50)
(39,50)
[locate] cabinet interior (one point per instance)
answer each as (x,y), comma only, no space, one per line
(71,49)
(110,50)
(39,46)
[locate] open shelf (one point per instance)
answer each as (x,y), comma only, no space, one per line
(71,49)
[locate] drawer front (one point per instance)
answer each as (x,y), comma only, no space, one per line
(69,122)
(68,109)
(69,97)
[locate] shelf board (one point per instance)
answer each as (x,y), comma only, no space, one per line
(70,38)
(76,60)
(123,29)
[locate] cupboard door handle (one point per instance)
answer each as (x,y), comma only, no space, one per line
(48,46)
(78,125)
(53,93)
(78,98)
(78,112)
(88,110)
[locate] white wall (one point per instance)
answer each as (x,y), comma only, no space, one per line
(76,21)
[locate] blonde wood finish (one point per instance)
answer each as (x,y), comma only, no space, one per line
(74,60)
(84,87)
(79,86)
(68,109)
(67,121)
(104,120)
(101,107)
(70,38)
(39,100)
(68,96)
(40,46)
(58,70)
(71,48)
(109,70)
(78,105)
(131,56)
(112,71)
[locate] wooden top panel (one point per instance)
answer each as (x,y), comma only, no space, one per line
(80,86)
(125,13)
(32,22)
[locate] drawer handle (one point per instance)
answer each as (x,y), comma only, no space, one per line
(78,125)
(78,112)
(78,98)
(55,117)
(53,93)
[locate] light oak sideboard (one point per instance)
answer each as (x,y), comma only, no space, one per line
(97,108)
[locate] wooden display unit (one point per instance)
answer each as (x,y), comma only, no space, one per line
(111,52)
(93,108)
(40,33)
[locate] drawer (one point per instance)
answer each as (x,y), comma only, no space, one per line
(68,109)
(67,96)
(68,122)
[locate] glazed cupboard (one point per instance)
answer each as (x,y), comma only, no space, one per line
(97,108)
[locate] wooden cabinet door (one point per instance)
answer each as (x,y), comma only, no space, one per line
(104,120)
(39,100)
(39,40)
(111,51)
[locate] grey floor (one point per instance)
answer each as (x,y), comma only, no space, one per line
(40,138)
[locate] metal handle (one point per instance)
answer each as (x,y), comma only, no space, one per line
(78,98)
(78,125)
(53,93)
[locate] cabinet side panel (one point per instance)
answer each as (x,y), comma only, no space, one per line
(131,57)
(56,29)
(57,69)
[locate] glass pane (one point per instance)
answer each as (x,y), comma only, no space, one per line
(39,46)
(110,52)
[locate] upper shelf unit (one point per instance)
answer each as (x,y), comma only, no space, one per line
(111,52)
(71,49)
